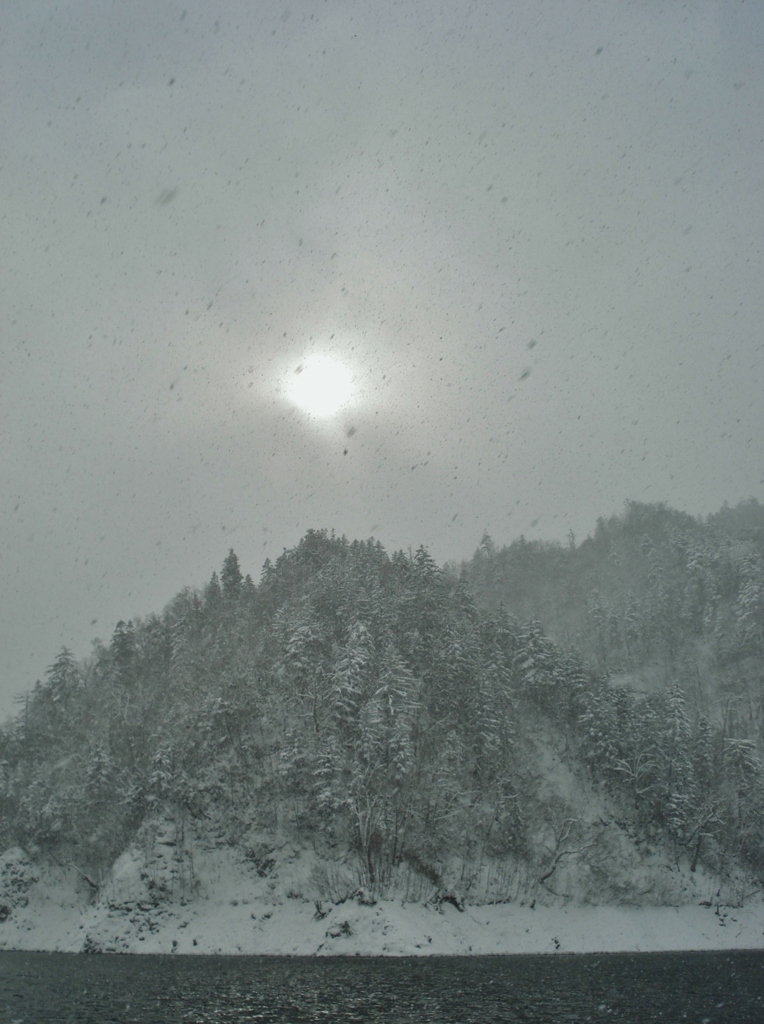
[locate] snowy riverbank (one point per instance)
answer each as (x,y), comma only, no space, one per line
(241,914)
(386,929)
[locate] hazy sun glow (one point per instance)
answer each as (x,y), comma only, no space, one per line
(320,386)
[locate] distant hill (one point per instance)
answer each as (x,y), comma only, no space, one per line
(543,722)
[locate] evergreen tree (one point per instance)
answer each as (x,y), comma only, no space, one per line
(64,679)
(534,663)
(212,595)
(750,603)
(231,577)
(123,651)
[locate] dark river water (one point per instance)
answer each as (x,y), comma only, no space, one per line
(696,987)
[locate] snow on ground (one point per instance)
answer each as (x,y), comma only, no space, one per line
(235,911)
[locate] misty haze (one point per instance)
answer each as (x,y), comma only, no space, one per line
(382,523)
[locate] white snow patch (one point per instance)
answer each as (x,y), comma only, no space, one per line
(238,909)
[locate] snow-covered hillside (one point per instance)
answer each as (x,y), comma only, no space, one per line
(357,735)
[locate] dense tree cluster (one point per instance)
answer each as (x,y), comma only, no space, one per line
(669,612)
(649,588)
(380,706)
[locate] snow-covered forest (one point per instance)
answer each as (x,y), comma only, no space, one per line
(541,721)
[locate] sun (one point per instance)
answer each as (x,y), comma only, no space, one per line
(320,386)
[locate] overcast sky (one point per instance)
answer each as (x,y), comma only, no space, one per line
(532,231)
